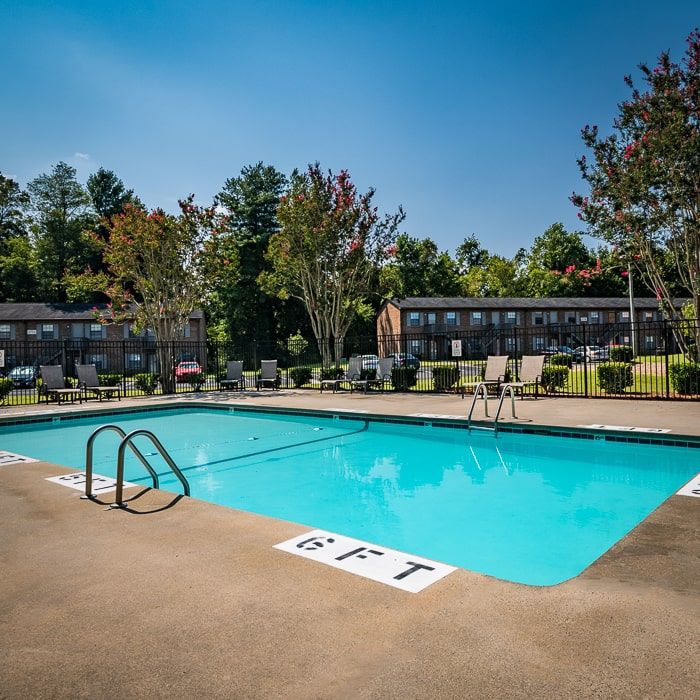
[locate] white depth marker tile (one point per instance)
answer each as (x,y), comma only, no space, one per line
(628,428)
(100,484)
(692,488)
(12,458)
(388,566)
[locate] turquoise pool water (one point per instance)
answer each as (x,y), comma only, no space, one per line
(531,509)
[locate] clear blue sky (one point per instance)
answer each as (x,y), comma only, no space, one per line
(466,113)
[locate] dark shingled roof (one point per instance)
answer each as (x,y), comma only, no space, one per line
(56,312)
(563,303)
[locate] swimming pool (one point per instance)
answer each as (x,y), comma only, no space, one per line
(527,508)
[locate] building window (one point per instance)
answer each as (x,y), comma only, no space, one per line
(133,360)
(648,315)
(48,331)
(538,318)
(624,316)
(510,345)
(511,317)
(571,317)
(95,331)
(415,347)
(477,318)
(650,342)
(99,361)
(594,316)
(431,318)
(414,318)
(538,343)
(5,331)
(450,318)
(552,316)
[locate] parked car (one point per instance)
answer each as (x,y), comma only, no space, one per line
(405,359)
(592,353)
(369,361)
(24,376)
(558,350)
(184,370)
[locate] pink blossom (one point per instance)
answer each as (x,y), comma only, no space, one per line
(570,269)
(624,273)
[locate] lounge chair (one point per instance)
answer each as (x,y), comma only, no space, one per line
(234,376)
(530,373)
(383,375)
(352,373)
(494,374)
(54,385)
(89,381)
(268,375)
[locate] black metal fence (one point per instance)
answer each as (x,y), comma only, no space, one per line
(648,360)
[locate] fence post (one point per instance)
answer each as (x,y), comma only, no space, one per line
(585,361)
(666,344)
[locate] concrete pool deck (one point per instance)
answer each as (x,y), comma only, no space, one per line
(182,598)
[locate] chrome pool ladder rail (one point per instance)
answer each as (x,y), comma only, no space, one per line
(126,442)
(509,389)
(89,449)
(480,386)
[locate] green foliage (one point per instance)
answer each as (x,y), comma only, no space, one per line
(146,382)
(555,377)
(195,380)
(250,202)
(404,378)
(300,376)
(13,207)
(621,353)
(109,378)
(561,359)
(615,377)
(296,344)
(445,376)
(368,373)
(324,220)
(419,269)
(5,388)
(685,378)
(643,181)
(61,216)
(332,372)
(19,278)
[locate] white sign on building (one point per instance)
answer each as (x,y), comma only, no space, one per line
(456,348)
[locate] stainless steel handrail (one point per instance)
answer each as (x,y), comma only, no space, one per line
(89,452)
(126,441)
(506,388)
(480,385)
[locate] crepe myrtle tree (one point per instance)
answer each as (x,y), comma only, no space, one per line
(644,181)
(330,244)
(162,267)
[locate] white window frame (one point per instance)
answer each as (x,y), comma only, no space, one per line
(539,342)
(538,318)
(414,318)
(54,333)
(451,318)
(511,318)
(594,317)
(5,331)
(431,318)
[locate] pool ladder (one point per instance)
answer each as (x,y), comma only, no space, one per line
(127,441)
(482,388)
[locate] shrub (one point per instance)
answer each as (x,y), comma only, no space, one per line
(555,377)
(195,380)
(332,372)
(561,359)
(146,382)
(404,378)
(615,377)
(685,378)
(621,353)
(5,388)
(300,376)
(368,374)
(109,378)
(445,376)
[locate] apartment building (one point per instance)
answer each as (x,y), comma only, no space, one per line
(431,323)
